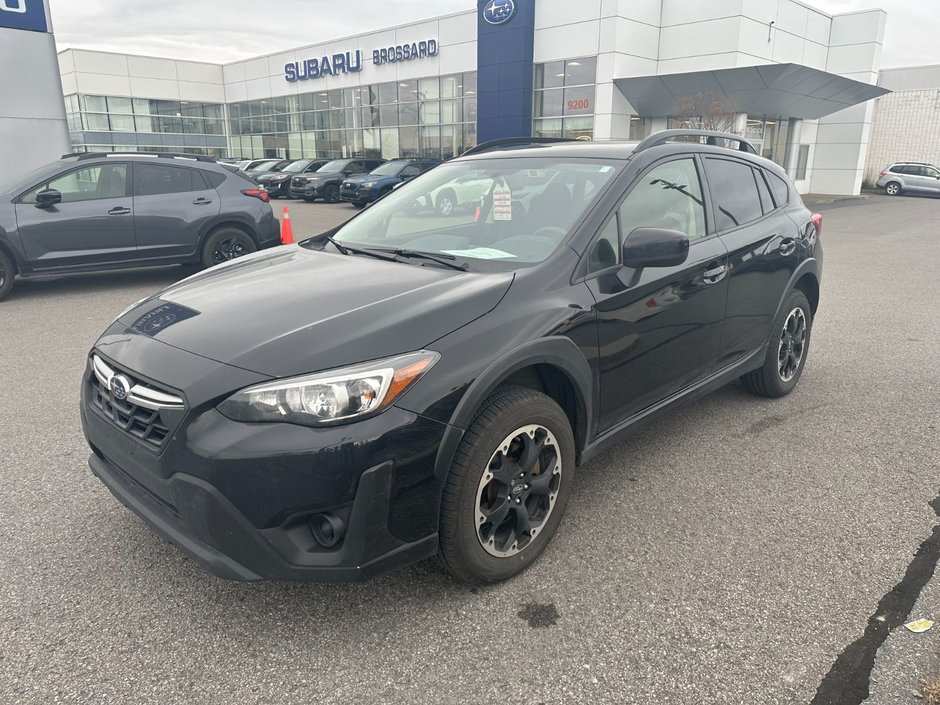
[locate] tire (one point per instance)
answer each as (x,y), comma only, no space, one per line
(893,188)
(446,202)
(226,244)
(331,193)
(476,551)
(309,199)
(787,351)
(7,273)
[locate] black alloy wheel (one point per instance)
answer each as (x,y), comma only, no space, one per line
(331,193)
(226,244)
(6,275)
(508,486)
(517,493)
(787,350)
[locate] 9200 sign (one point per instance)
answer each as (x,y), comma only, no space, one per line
(581,104)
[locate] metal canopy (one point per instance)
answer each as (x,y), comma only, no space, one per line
(784,90)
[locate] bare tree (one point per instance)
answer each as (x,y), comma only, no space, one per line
(705,112)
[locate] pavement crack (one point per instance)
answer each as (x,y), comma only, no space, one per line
(849,679)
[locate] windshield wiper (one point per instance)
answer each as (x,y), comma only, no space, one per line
(343,250)
(439,259)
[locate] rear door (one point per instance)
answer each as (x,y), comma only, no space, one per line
(750,205)
(92,225)
(928,179)
(172,206)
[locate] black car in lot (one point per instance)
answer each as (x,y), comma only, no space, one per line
(325,183)
(413,383)
(98,211)
(277,183)
(364,189)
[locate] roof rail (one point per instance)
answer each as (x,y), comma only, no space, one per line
(490,145)
(658,138)
(162,155)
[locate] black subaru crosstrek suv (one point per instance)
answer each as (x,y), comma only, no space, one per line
(412,383)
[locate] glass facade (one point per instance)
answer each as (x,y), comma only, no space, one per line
(564,98)
(433,117)
(112,123)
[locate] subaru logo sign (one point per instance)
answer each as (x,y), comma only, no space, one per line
(23,14)
(120,387)
(499,11)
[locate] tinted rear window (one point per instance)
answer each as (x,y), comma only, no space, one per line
(214,178)
(766,202)
(779,187)
(735,192)
(154,179)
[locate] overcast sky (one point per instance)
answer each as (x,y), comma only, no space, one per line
(226,30)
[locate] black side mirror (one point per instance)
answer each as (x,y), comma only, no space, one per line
(48,198)
(655,247)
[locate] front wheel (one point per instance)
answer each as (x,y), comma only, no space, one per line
(508,487)
(787,351)
(331,194)
(446,202)
(6,275)
(893,188)
(226,244)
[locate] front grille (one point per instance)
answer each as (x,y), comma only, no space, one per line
(298,181)
(143,412)
(350,188)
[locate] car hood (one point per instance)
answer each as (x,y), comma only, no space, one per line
(325,175)
(366,178)
(293,310)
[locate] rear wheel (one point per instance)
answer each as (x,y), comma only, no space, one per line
(508,487)
(786,354)
(226,244)
(6,274)
(446,202)
(331,193)
(893,188)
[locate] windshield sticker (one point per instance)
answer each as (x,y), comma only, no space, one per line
(480,253)
(502,203)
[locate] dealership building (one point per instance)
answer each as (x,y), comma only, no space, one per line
(797,82)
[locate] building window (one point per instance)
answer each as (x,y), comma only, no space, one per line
(564,89)
(801,162)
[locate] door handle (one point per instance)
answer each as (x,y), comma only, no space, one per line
(202,201)
(119,210)
(787,246)
(715,274)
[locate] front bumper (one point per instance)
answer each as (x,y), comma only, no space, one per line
(239,497)
(306,191)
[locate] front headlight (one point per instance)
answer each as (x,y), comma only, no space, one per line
(336,396)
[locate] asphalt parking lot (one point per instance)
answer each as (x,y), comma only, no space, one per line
(729,555)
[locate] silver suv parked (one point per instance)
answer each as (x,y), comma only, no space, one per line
(89,212)
(916,177)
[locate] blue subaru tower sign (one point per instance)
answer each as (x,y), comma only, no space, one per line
(23,14)
(505,40)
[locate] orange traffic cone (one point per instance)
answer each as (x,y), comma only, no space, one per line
(287,231)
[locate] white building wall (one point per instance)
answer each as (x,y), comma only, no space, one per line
(263,77)
(842,138)
(33,127)
(105,73)
(906,123)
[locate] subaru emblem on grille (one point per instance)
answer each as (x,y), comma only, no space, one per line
(120,386)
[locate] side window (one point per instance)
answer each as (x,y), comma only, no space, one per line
(354,168)
(766,203)
(735,192)
(157,179)
(410,170)
(668,196)
(931,172)
(779,187)
(88,184)
(427,166)
(215,179)
(606,251)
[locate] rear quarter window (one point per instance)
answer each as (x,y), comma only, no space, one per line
(779,187)
(214,178)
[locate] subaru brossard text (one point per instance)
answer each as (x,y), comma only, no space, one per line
(421,381)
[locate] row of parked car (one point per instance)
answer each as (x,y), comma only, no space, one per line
(356,181)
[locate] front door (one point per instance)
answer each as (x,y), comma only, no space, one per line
(659,328)
(93,224)
(172,205)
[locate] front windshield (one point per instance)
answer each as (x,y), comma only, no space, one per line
(389,169)
(265,166)
(298,165)
(513,210)
(334,166)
